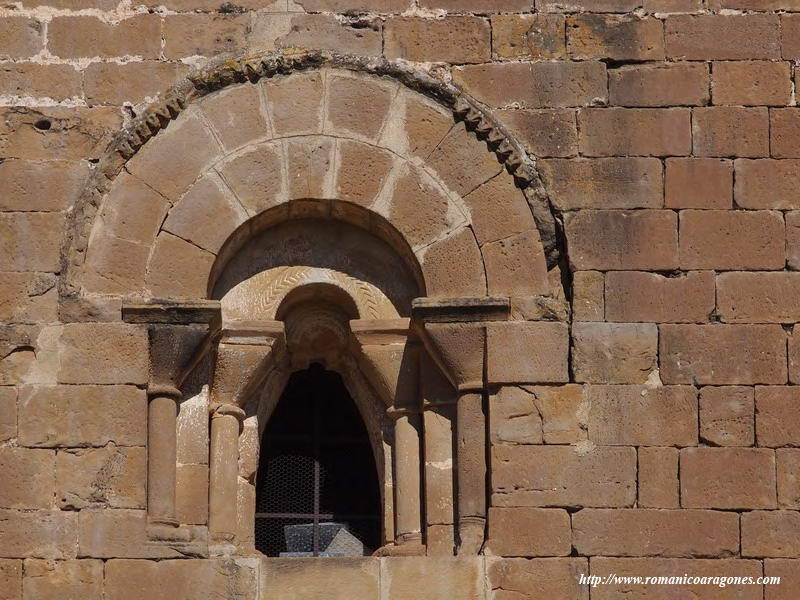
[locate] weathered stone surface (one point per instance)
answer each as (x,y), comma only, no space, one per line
(236,115)
(27,185)
(176,156)
(8,413)
(508,362)
(614,352)
(774,533)
(484,206)
(310,163)
(621,240)
(191,505)
(85,36)
(722,37)
(255,177)
(70,415)
(177,268)
(437,266)
(463,162)
(22,37)
(206,215)
(543,132)
(109,476)
(728,478)
(727,415)
(588,296)
(650,532)
(615,37)
(722,354)
(30,241)
(516,578)
(66,580)
(529,532)
(705,240)
(166,579)
(133,211)
(514,417)
(528,36)
(117,533)
(633,296)
(324,31)
(357,105)
(789,572)
(535,85)
(629,182)
(103,353)
(766,183)
(10,580)
(112,83)
(515,266)
(758,297)
(295,104)
(312,578)
(666,84)
(51,534)
(784,133)
(562,410)
(658,478)
(442,579)
(362,172)
(563,476)
(203,34)
(698,183)
(675,567)
(419,207)
(788,463)
(633,415)
(452,39)
(777,416)
(28,297)
(637,131)
(730,131)
(751,83)
(28,476)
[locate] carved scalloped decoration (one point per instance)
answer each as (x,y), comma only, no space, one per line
(260,296)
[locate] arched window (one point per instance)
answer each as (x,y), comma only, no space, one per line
(317,485)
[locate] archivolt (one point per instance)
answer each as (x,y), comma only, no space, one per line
(158,116)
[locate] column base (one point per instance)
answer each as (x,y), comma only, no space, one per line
(410,548)
(471,535)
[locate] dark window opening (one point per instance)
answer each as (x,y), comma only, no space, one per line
(317,484)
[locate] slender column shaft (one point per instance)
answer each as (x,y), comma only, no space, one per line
(407,473)
(162,415)
(224,472)
(471,470)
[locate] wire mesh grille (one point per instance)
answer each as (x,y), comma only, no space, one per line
(317,485)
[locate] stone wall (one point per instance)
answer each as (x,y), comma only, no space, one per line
(667,440)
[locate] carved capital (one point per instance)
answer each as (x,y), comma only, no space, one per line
(390,359)
(176,333)
(454,332)
(245,354)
